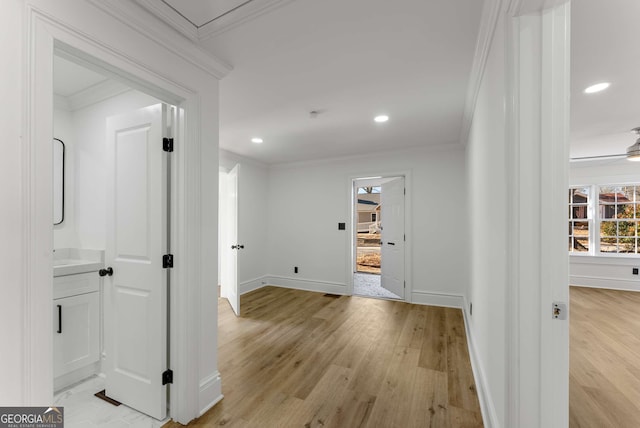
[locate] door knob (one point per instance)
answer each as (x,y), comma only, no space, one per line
(237,247)
(105,272)
(391,243)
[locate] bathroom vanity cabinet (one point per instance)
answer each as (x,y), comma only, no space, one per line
(77,315)
(76,323)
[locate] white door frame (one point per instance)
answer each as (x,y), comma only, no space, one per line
(196,384)
(351,230)
(538,51)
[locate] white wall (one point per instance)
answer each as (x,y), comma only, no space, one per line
(253,202)
(12,354)
(84,133)
(65,234)
(615,272)
(488,207)
(89,167)
(308,200)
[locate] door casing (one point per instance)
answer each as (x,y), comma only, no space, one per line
(352,229)
(93,42)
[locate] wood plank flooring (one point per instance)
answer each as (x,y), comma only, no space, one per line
(302,359)
(604,371)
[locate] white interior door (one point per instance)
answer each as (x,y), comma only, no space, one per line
(392,236)
(229,277)
(135,295)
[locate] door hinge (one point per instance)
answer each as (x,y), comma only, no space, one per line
(167,376)
(167,261)
(167,144)
(405,190)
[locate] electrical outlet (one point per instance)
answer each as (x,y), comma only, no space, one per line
(635,271)
(295,269)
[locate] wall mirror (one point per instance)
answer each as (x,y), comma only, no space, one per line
(58,181)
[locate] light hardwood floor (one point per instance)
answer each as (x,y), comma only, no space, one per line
(604,373)
(303,359)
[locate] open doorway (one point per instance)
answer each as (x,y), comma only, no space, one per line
(378,225)
(110,241)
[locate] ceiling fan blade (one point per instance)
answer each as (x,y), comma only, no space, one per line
(601,157)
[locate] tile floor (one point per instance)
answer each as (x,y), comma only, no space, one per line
(368,285)
(83,410)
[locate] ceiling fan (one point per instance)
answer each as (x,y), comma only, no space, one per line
(632,154)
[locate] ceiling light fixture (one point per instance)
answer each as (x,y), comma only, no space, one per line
(597,88)
(633,152)
(381,119)
(256,140)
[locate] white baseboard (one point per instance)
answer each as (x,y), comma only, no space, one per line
(437,299)
(306,284)
(210,393)
(489,415)
(66,380)
(251,285)
(603,282)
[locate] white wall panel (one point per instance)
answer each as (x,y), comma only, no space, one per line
(307,201)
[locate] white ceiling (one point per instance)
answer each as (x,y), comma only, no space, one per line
(409,59)
(604,47)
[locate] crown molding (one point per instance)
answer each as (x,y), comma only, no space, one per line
(490,14)
(235,157)
(150,26)
(244,14)
(89,96)
(96,93)
(385,154)
(525,7)
(170,17)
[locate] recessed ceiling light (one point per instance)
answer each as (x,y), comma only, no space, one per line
(256,140)
(382,118)
(597,88)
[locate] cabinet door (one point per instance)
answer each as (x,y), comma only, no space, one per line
(76,334)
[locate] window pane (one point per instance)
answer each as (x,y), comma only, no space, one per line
(608,228)
(579,196)
(607,211)
(626,194)
(581,228)
(581,244)
(579,211)
(607,195)
(627,245)
(627,228)
(624,211)
(608,245)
